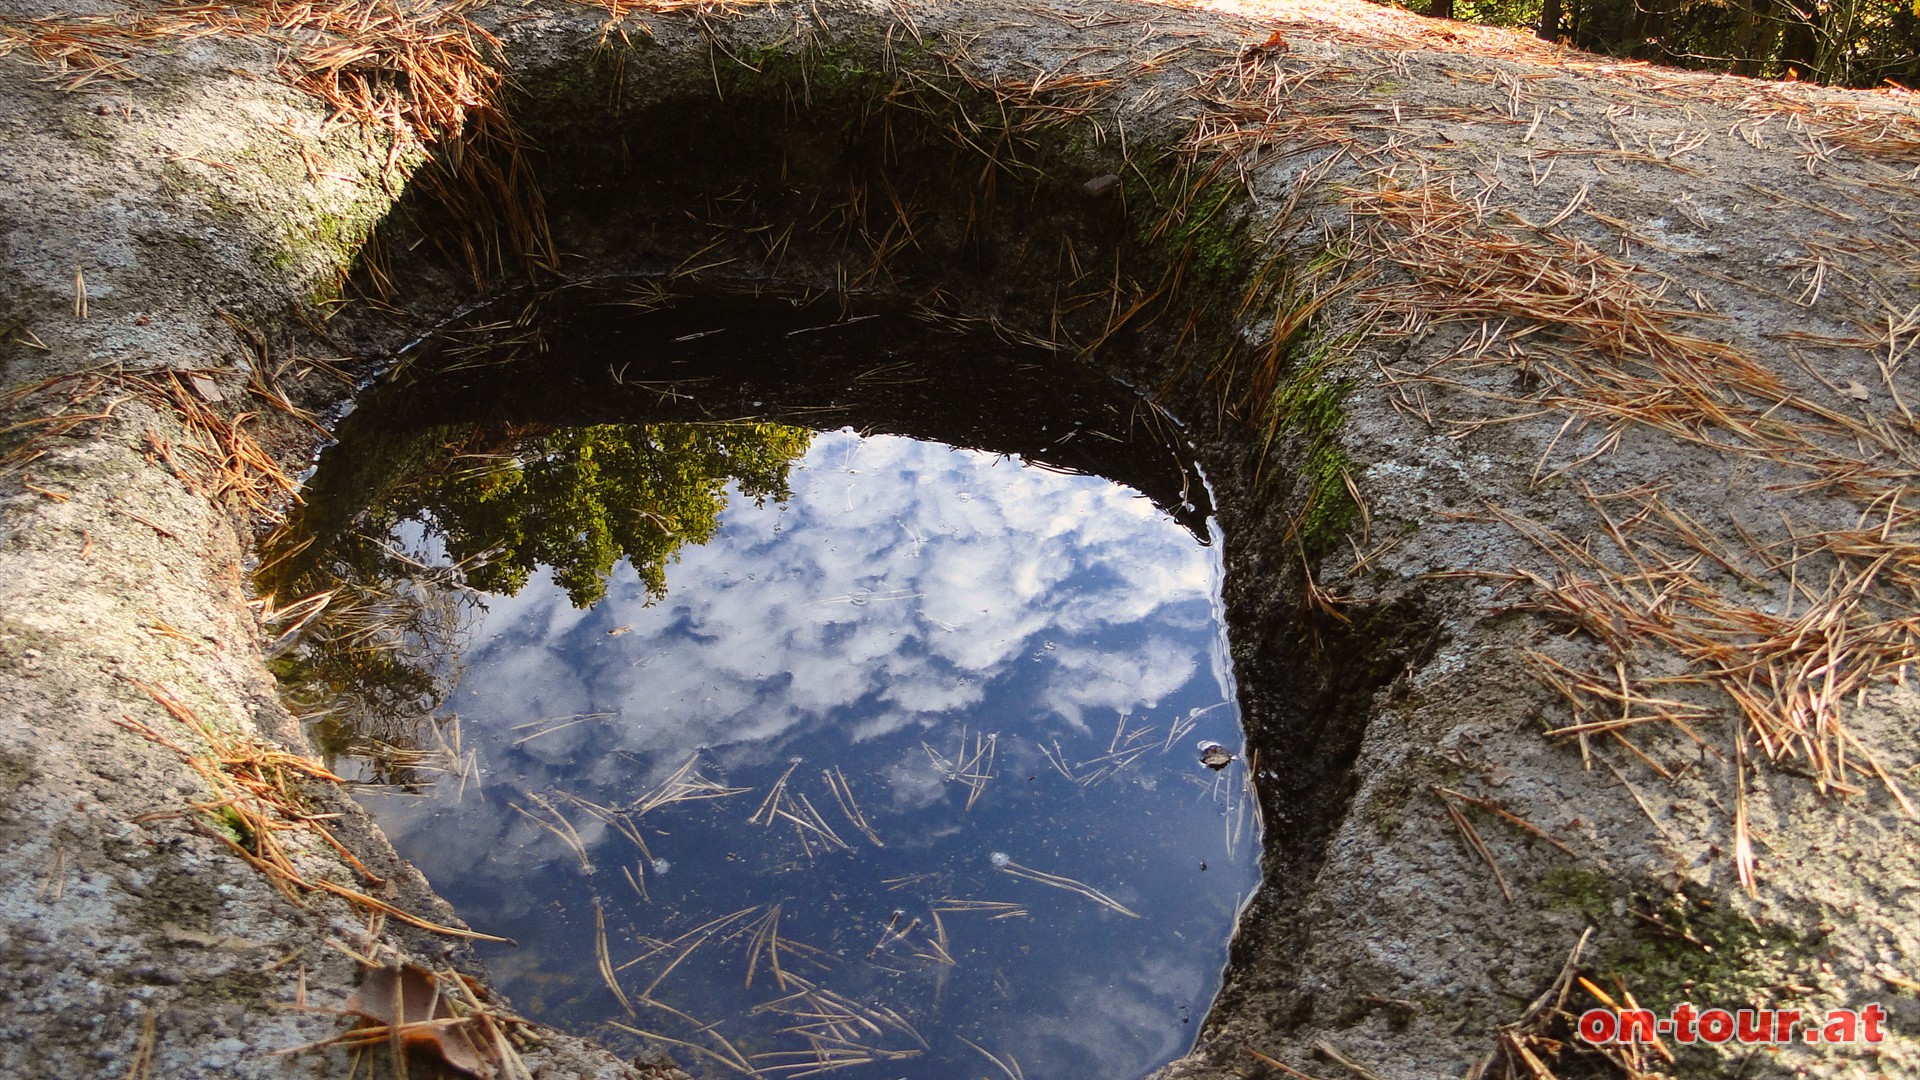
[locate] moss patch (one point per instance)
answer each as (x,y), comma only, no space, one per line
(1573,888)
(1729,957)
(1308,407)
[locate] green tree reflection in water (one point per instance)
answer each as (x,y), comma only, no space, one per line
(579,500)
(375,664)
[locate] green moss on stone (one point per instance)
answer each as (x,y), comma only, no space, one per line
(1704,952)
(1574,888)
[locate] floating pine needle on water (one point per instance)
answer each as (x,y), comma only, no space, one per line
(843,794)
(1008,1065)
(682,947)
(973,768)
(839,1031)
(455,758)
(761,935)
(894,931)
(1123,749)
(783,804)
(685,785)
(814,822)
(556,723)
(1058,759)
(620,821)
(1180,728)
(1236,816)
(764,815)
(1250,796)
(765,943)
(728,1055)
(1008,866)
(559,827)
(1000,909)
(937,943)
(604,958)
(1238,794)
(863,597)
(895,884)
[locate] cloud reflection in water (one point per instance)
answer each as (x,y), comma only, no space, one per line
(906,593)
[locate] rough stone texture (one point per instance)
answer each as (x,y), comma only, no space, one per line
(210,185)
(127,933)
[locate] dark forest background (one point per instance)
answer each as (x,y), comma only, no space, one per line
(1860,43)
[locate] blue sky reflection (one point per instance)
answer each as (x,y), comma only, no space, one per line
(934,627)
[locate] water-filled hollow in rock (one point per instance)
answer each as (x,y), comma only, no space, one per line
(799,686)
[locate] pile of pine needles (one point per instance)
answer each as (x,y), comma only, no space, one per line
(259,804)
(1783,634)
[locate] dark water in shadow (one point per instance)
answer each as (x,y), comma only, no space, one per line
(829,751)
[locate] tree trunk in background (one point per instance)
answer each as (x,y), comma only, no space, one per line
(1440,9)
(1643,34)
(1800,40)
(1754,38)
(1839,31)
(1614,27)
(1550,20)
(1590,24)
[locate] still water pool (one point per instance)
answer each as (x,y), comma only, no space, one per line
(902,759)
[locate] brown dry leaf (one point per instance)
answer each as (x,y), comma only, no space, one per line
(405,994)
(206,388)
(1277,43)
(407,999)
